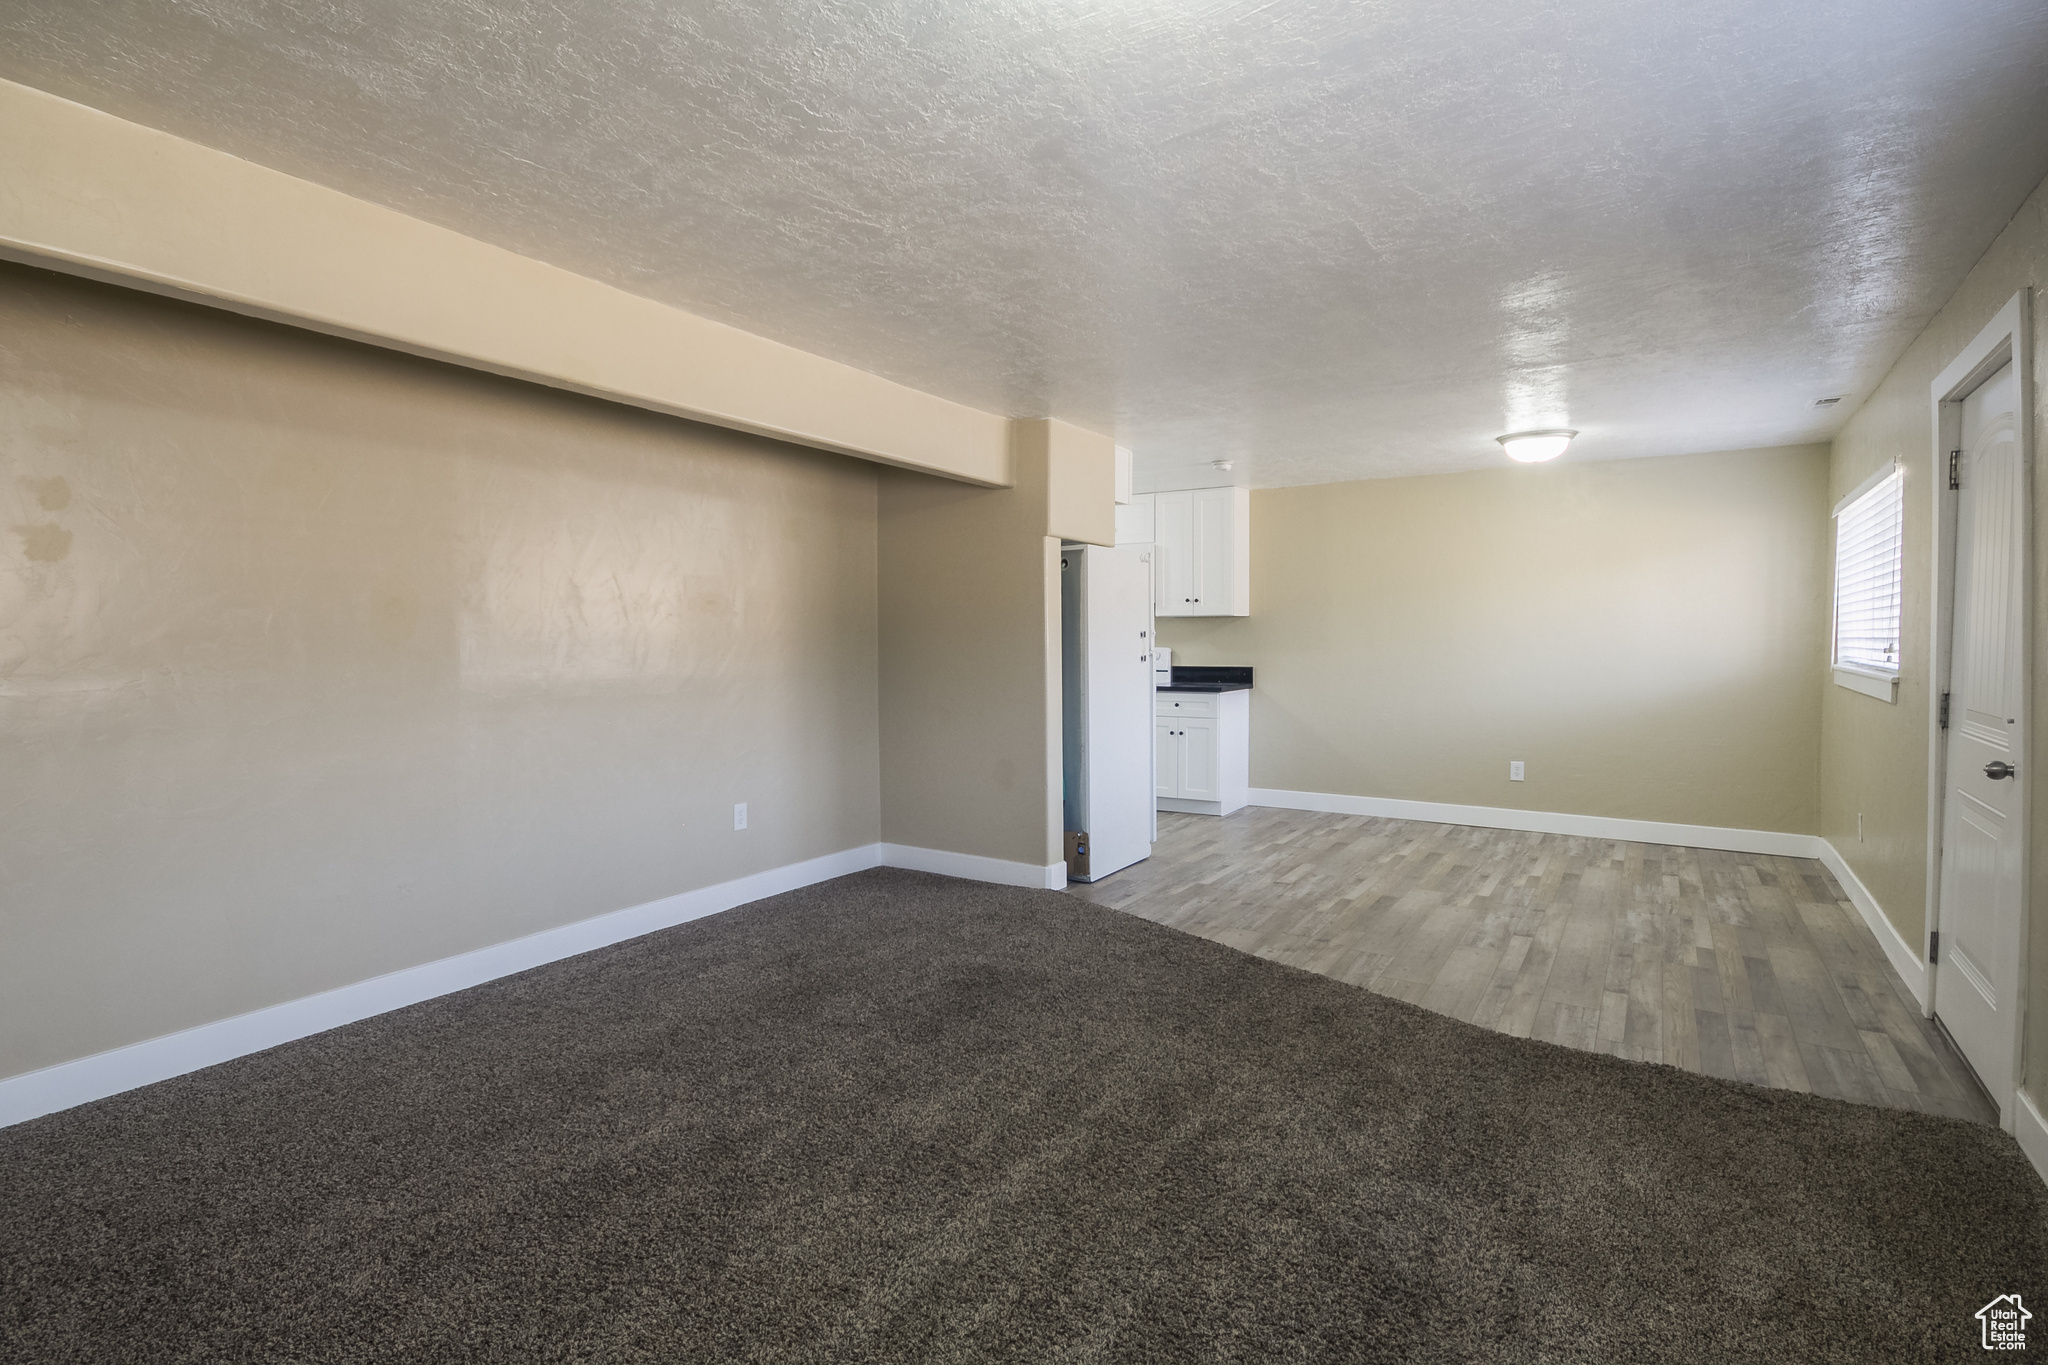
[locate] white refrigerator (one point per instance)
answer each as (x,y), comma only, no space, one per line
(1106,638)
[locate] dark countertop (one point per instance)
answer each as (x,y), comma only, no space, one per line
(1209,678)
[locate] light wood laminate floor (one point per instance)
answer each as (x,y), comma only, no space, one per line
(1738,965)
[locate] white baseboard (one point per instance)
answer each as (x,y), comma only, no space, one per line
(57,1087)
(974,867)
(2032,1131)
(1906,961)
(123,1068)
(1909,963)
(1187,807)
(1548,822)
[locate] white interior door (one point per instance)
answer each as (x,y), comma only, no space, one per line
(1976,983)
(1120,708)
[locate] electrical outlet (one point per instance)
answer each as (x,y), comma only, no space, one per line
(1515,770)
(739,815)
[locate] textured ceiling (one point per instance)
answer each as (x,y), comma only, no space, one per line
(1324,238)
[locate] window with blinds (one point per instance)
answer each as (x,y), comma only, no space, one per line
(1869,554)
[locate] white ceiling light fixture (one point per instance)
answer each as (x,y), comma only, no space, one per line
(1534,447)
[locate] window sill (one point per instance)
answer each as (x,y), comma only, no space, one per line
(1883,686)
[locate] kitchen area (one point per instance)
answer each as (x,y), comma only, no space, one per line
(1142,734)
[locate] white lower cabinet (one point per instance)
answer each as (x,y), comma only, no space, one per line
(1204,752)
(1198,779)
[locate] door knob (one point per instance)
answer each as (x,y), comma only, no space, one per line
(1998,769)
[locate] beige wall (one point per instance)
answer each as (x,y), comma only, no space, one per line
(1873,755)
(1080,478)
(318,661)
(970,665)
(1645,634)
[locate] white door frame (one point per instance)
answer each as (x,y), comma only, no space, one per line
(2006,339)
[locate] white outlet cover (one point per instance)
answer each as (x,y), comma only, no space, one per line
(1515,770)
(739,815)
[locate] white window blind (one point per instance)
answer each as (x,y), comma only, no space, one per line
(1869,549)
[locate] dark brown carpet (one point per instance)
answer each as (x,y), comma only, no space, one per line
(902,1118)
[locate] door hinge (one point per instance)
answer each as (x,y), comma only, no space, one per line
(1944,710)
(1934,946)
(1955,469)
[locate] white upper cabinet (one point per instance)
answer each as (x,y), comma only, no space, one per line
(1173,570)
(1202,557)
(1134,521)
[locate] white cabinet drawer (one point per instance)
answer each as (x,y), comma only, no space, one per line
(1187,703)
